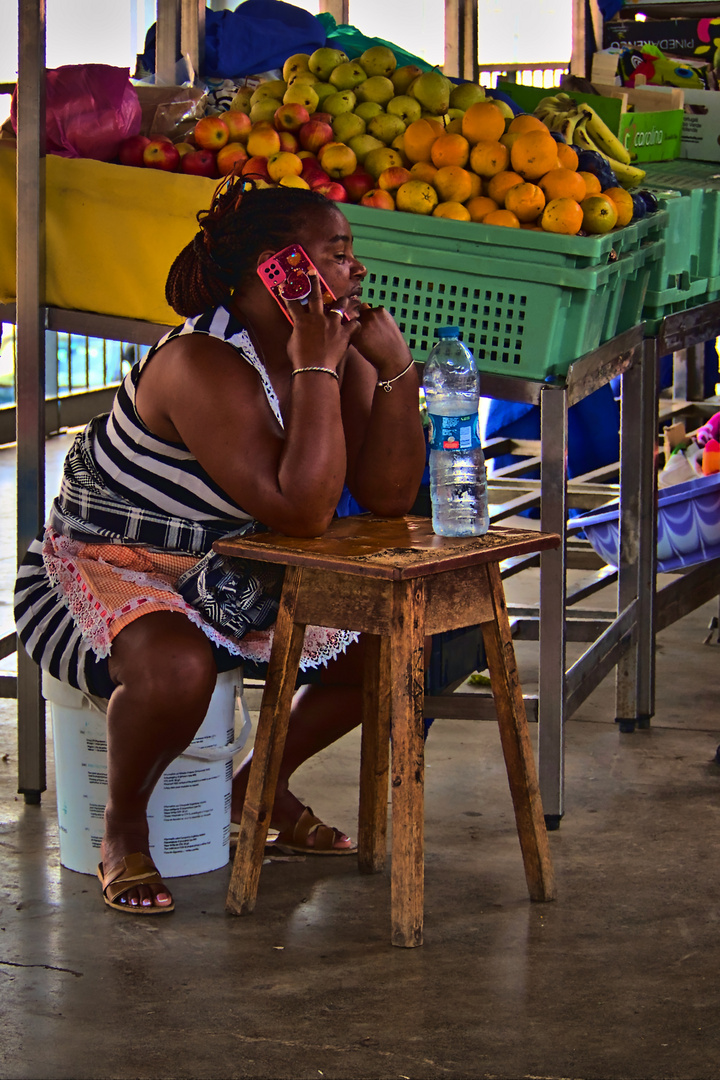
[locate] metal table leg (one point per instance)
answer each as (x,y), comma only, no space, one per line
(551,709)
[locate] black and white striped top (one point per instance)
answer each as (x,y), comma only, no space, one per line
(122,484)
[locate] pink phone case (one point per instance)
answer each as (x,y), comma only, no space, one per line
(285,275)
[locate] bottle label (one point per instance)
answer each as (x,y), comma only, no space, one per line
(454,432)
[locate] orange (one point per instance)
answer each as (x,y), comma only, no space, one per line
(566,156)
(451,209)
(592,184)
(562,216)
(453,184)
(416,197)
(526,122)
(476,185)
(599,214)
(480,206)
(489,158)
(423,170)
(500,184)
(437,125)
(563,184)
(418,138)
(534,154)
(623,204)
(501,217)
(525,201)
(450,150)
(483,120)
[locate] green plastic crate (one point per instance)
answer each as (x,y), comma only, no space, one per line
(637,271)
(697,223)
(520,316)
(658,305)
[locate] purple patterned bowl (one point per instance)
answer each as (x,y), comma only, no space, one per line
(688,525)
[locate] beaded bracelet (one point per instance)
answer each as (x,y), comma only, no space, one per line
(387,383)
(299,371)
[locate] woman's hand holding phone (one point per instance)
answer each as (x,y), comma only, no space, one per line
(321,332)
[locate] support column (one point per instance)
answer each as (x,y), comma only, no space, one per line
(461,40)
(30,382)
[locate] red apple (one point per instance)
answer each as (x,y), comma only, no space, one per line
(291,117)
(256,167)
(238,124)
(184,148)
(131,150)
(288,142)
(231,158)
(313,172)
(333,191)
(211,133)
(199,163)
(323,117)
(357,184)
(161,154)
(379,199)
(315,134)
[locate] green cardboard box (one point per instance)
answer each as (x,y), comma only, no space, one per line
(648,135)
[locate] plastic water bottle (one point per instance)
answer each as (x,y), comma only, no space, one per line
(458,486)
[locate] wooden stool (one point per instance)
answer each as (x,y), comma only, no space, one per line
(395,581)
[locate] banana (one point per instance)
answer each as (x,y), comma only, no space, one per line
(569,126)
(628,176)
(603,137)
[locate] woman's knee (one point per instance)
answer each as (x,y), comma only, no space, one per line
(163,656)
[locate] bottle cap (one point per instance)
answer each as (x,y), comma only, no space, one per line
(448,331)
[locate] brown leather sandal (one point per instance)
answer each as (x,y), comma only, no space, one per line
(324,837)
(135,869)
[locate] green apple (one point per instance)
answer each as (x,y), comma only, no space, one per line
(504,109)
(348,75)
(403,76)
(347,125)
(303,94)
(264,109)
(378,60)
(273,89)
(342,101)
(324,90)
(465,95)
(306,77)
(385,127)
(378,160)
(362,145)
(325,60)
(432,90)
(368,109)
(377,88)
(454,114)
(406,107)
(294,64)
(241,101)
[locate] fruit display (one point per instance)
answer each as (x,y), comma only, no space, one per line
(397,138)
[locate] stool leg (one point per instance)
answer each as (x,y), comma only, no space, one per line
(268,749)
(515,740)
(374,756)
(408,765)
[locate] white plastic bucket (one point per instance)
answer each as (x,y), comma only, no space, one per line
(189,810)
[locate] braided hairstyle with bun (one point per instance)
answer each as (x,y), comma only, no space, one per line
(242,222)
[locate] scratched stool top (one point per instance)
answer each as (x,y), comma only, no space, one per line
(396,548)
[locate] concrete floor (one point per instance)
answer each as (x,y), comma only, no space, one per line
(616,979)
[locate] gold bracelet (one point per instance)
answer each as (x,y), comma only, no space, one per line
(329,371)
(387,383)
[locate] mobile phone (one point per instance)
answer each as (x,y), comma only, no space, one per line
(285,275)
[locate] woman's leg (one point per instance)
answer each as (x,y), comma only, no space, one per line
(321,713)
(165,674)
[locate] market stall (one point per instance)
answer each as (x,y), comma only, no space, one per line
(551,316)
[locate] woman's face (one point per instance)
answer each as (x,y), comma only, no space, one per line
(327,239)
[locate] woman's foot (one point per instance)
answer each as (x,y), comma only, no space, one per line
(121,853)
(289,817)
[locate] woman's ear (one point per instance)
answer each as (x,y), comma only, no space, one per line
(264,256)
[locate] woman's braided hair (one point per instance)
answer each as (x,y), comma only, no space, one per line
(242,222)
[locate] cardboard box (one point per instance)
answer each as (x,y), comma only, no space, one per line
(651,132)
(691,38)
(701,126)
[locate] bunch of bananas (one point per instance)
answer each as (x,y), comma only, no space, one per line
(581,126)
